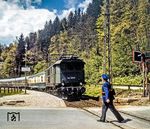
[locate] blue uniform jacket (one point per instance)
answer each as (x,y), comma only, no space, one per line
(105,91)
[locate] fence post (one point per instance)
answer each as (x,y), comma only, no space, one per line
(14,90)
(4,90)
(8,89)
(11,89)
(129,87)
(20,89)
(149,94)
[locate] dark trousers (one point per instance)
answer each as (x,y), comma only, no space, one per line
(113,110)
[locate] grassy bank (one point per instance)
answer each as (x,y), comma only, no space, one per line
(128,80)
(9,93)
(93,90)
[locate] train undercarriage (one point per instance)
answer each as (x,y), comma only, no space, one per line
(66,93)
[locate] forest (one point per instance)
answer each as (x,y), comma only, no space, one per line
(82,34)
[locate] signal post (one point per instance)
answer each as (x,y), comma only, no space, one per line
(144,60)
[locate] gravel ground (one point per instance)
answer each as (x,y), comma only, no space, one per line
(32,99)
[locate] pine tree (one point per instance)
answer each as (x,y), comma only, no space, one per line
(128,21)
(71,20)
(9,64)
(20,54)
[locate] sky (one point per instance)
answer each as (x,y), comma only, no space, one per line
(25,16)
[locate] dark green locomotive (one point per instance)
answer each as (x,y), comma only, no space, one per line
(66,77)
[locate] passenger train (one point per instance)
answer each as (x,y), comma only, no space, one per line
(64,78)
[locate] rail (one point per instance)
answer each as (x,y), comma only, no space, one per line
(94,114)
(91,104)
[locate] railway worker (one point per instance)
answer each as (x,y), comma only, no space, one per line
(108,98)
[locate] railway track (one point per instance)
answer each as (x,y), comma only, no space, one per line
(123,112)
(91,104)
(141,118)
(76,106)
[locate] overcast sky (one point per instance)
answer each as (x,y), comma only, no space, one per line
(25,16)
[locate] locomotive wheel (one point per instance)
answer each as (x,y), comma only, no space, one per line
(61,95)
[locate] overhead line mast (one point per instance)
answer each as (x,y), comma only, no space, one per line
(107,43)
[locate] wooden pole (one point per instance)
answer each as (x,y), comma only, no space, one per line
(144,80)
(149,90)
(147,80)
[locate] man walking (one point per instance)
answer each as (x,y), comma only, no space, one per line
(108,98)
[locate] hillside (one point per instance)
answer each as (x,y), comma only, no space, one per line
(82,34)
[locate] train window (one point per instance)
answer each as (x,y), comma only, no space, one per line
(78,66)
(63,67)
(50,71)
(67,66)
(34,80)
(70,66)
(41,78)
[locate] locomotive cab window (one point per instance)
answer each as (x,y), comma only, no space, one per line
(71,66)
(79,66)
(67,66)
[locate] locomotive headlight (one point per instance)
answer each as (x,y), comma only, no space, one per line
(81,83)
(62,84)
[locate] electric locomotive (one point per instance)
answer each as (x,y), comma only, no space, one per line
(66,77)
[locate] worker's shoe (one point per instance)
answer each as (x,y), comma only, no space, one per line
(101,120)
(123,121)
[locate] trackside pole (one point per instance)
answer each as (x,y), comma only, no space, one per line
(107,56)
(144,79)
